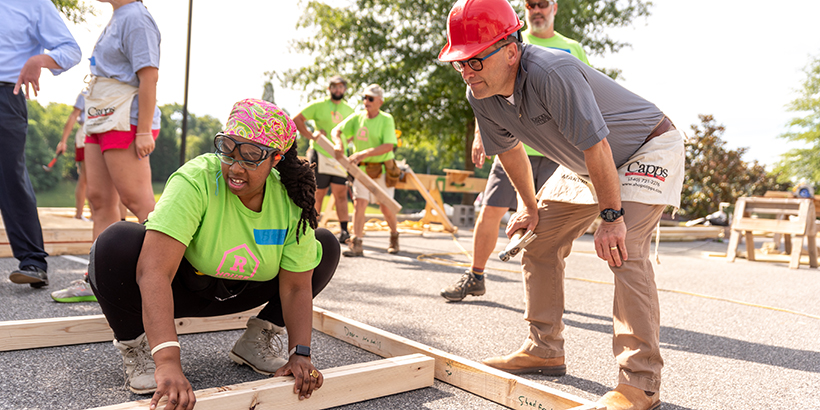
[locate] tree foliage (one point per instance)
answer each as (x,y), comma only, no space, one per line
(716,174)
(74,10)
(804,162)
(198,141)
(45,127)
(395,43)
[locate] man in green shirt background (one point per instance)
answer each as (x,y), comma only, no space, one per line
(499,195)
(326,114)
(373,134)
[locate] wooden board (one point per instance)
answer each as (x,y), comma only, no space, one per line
(35,333)
(62,234)
(342,385)
(474,377)
(470,185)
(362,177)
(431,202)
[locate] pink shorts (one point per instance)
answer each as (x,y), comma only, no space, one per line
(115,139)
(79,154)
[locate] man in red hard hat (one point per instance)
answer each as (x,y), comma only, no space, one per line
(620,157)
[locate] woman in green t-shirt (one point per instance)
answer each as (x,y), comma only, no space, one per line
(232,231)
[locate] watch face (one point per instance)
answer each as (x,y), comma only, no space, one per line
(302,350)
(610,215)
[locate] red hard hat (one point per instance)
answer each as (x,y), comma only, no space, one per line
(474,25)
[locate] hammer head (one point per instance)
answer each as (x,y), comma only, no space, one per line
(50,165)
(519,241)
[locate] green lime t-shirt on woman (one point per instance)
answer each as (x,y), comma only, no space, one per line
(326,115)
(224,238)
(370,133)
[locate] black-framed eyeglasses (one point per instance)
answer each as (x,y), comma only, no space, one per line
(247,150)
(541,5)
(252,154)
(368,98)
(476,64)
(249,165)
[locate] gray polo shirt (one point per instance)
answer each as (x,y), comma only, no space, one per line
(563,107)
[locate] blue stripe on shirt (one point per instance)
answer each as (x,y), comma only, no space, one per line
(270,236)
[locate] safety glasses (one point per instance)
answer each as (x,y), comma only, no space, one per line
(252,154)
(368,98)
(476,64)
(541,5)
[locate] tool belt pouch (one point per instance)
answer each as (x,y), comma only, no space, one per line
(108,105)
(392,173)
(373,169)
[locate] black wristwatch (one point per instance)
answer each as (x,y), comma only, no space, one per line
(300,350)
(611,215)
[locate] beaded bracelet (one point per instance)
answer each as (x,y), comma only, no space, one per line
(163,346)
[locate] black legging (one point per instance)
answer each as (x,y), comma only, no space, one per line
(113,269)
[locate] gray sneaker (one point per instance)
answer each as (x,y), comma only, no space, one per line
(467,285)
(34,276)
(139,365)
(261,347)
(78,291)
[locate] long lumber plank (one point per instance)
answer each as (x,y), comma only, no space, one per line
(342,385)
(35,333)
(484,381)
(362,177)
(474,377)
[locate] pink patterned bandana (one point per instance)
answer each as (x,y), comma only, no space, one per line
(261,122)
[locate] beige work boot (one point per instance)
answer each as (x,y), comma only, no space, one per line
(522,362)
(394,243)
(356,247)
(261,347)
(139,365)
(626,397)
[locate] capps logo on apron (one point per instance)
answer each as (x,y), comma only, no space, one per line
(653,175)
(108,105)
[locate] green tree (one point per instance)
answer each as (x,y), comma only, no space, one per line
(716,174)
(199,140)
(804,162)
(395,43)
(45,127)
(74,10)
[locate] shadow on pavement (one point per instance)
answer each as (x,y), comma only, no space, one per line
(719,346)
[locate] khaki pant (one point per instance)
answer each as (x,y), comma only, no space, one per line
(636,313)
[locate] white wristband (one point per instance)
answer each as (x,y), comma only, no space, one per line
(163,346)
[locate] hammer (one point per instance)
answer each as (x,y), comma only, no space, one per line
(519,241)
(48,167)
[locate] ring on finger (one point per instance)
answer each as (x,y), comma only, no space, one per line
(314,373)
(613,248)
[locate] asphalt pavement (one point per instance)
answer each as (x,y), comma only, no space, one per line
(740,335)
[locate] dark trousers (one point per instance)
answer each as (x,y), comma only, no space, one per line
(113,270)
(18,205)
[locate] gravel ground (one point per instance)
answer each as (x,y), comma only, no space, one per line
(734,335)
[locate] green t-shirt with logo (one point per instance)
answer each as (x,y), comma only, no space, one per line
(224,238)
(558,41)
(326,115)
(370,133)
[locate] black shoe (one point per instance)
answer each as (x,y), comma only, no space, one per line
(344,236)
(34,276)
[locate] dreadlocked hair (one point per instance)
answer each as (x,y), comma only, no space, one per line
(300,182)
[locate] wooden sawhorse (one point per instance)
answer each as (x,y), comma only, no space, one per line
(782,209)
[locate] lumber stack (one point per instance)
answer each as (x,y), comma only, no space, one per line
(62,233)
